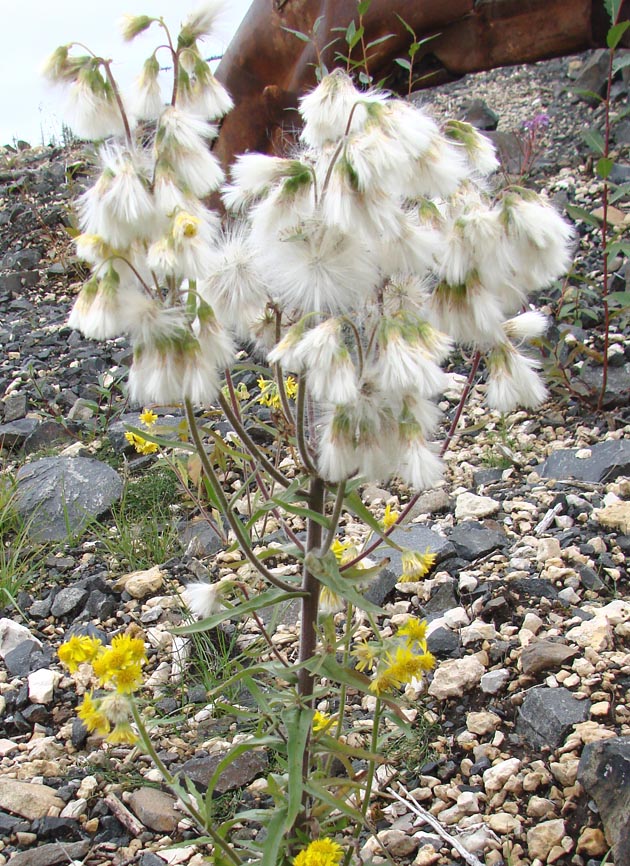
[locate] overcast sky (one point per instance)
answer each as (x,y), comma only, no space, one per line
(30,30)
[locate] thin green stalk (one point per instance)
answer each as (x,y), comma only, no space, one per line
(369,779)
(234,522)
(334,520)
(119,102)
(249,443)
(301,428)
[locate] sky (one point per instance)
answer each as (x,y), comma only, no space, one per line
(30,30)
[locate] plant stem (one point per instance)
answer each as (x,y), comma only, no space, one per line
(605,192)
(119,102)
(234,522)
(334,520)
(310,587)
(369,779)
(301,427)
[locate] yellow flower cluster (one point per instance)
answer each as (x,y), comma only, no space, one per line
(397,661)
(117,667)
(416,565)
(389,518)
(269,395)
(142,445)
(320,852)
(321,721)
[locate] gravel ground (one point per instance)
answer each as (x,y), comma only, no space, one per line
(528,604)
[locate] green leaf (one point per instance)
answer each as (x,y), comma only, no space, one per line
(318,24)
(604,166)
(615,34)
(363,6)
(407,27)
(401,61)
(613,7)
(354,503)
(594,139)
(578,213)
(623,60)
(379,41)
(162,441)
(274,839)
(328,666)
(621,299)
(617,247)
(326,570)
(350,33)
(589,94)
(320,790)
(620,192)
(301,511)
(297,721)
(304,37)
(268,598)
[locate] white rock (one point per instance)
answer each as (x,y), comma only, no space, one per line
(595,633)
(503,822)
(87,788)
(453,678)
(7,747)
(495,777)
(398,844)
(467,582)
(532,622)
(456,617)
(493,681)
(548,548)
(483,722)
(473,506)
(142,583)
(41,685)
(74,809)
(569,596)
(542,838)
(478,631)
(12,634)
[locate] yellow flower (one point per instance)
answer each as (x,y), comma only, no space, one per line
(389,518)
(321,852)
(366,655)
(185,225)
(77,650)
(148,417)
(385,681)
(92,716)
(142,446)
(339,548)
(404,665)
(415,630)
(330,601)
(122,733)
(291,387)
(120,664)
(321,721)
(268,393)
(416,565)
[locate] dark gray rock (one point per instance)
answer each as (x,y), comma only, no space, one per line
(25,658)
(442,598)
(509,150)
(28,258)
(79,734)
(604,771)
(240,772)
(15,407)
(62,494)
(444,643)
(472,539)
(608,460)
(51,854)
(593,76)
(14,434)
(534,587)
(40,608)
(547,715)
(382,585)
(617,391)
(480,115)
(47,434)
(199,539)
(68,601)
(418,537)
